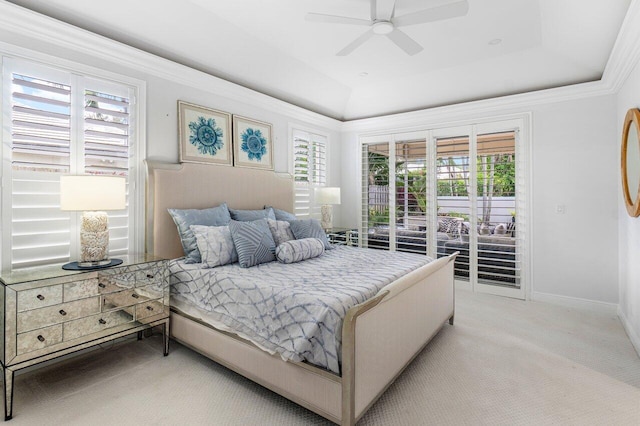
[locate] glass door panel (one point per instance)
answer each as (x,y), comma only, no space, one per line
(453,203)
(411,196)
(497,244)
(375,229)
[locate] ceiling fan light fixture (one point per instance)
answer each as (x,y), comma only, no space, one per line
(382,27)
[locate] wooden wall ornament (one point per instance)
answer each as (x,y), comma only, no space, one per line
(630,162)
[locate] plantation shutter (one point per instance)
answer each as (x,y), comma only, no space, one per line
(40,152)
(106,152)
(58,125)
(309,171)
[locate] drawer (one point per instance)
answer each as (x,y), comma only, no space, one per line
(148,309)
(39,297)
(80,289)
(43,317)
(95,324)
(130,297)
(152,275)
(39,339)
(112,283)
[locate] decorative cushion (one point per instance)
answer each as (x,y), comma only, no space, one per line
(448,225)
(215,245)
(309,228)
(282,214)
(281,231)
(298,250)
(253,241)
(216,216)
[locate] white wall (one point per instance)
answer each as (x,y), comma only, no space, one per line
(628,227)
(574,164)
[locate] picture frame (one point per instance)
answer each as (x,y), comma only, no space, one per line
(205,135)
(252,143)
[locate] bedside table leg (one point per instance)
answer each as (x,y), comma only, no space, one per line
(165,337)
(7,383)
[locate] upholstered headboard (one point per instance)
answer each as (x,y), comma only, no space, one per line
(197,186)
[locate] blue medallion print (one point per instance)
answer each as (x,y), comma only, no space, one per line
(206,136)
(254,144)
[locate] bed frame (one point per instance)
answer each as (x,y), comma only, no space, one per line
(380,337)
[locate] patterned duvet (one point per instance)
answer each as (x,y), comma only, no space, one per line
(294,310)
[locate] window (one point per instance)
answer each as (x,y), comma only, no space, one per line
(309,170)
(60,123)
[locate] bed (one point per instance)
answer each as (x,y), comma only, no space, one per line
(380,335)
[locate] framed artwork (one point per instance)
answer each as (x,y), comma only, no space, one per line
(205,135)
(252,144)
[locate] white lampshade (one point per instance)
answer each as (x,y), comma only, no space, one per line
(91,192)
(327,195)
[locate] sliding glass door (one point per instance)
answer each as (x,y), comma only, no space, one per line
(450,190)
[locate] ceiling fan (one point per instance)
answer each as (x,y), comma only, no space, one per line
(383,22)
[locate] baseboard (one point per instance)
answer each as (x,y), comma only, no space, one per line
(576,302)
(635,339)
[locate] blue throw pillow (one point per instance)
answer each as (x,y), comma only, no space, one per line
(216,216)
(249,215)
(282,214)
(299,250)
(254,242)
(310,228)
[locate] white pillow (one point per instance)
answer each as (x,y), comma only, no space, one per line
(215,245)
(299,250)
(281,231)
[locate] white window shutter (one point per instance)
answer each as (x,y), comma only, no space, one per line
(309,171)
(58,125)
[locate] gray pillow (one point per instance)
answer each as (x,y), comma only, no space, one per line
(310,228)
(215,245)
(281,231)
(253,241)
(249,215)
(299,250)
(215,216)
(282,214)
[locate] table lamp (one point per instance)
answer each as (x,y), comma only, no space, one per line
(327,196)
(92,195)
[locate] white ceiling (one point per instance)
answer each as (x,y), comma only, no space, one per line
(267,45)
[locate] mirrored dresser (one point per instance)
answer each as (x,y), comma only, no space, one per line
(49,312)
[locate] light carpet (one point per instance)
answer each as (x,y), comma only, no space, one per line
(504,362)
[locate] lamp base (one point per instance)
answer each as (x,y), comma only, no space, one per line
(326,212)
(87,266)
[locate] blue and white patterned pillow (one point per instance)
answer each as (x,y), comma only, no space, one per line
(215,245)
(253,241)
(299,250)
(310,228)
(249,215)
(215,216)
(281,231)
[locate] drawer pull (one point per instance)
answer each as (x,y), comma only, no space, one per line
(135,296)
(40,297)
(101,321)
(149,308)
(41,338)
(101,285)
(62,312)
(149,275)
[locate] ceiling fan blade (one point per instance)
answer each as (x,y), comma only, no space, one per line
(382,10)
(333,19)
(355,43)
(447,11)
(404,42)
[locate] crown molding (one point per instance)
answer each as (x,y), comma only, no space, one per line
(626,50)
(26,23)
(624,57)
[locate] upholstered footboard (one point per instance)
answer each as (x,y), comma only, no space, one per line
(380,338)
